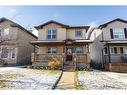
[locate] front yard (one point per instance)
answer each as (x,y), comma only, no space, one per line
(24,78)
(101,80)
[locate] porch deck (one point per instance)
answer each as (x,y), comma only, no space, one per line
(118,62)
(77,59)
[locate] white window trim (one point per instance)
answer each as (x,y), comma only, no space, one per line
(15,53)
(80,48)
(6,31)
(52,50)
(116,33)
(51,34)
(76,33)
(124,50)
(113,50)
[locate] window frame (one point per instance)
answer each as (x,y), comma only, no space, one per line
(51,34)
(118,33)
(51,51)
(6,31)
(15,50)
(79,52)
(76,32)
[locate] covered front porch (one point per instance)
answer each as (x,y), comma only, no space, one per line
(75,54)
(115,56)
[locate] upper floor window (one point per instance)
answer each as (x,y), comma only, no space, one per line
(52,50)
(78,33)
(6,31)
(51,34)
(79,50)
(117,33)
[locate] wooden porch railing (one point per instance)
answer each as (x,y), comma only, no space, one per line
(45,58)
(81,58)
(116,58)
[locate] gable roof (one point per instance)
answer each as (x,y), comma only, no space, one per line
(17,25)
(118,19)
(51,21)
(61,24)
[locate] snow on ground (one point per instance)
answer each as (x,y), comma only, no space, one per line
(99,80)
(23,78)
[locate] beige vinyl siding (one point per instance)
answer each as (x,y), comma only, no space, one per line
(61,32)
(116,24)
(71,34)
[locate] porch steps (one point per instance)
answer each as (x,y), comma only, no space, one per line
(69,66)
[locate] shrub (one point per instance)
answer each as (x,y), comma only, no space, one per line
(2,62)
(54,64)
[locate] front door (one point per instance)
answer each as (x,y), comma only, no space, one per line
(69,52)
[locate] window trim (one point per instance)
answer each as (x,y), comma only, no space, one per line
(5,32)
(15,53)
(81,50)
(51,52)
(76,33)
(51,34)
(120,34)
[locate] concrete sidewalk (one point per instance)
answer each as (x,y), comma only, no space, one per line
(67,81)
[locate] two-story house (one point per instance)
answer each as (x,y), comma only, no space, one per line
(15,48)
(67,43)
(110,44)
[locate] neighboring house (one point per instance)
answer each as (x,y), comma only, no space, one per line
(15,48)
(66,43)
(110,44)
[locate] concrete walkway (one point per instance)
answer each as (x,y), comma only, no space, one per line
(67,81)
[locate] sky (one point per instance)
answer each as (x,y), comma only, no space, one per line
(30,16)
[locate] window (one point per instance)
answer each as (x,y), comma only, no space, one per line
(105,50)
(52,50)
(79,50)
(6,31)
(125,50)
(113,50)
(13,53)
(4,53)
(121,50)
(78,33)
(118,33)
(51,34)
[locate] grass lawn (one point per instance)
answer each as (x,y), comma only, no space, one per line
(23,78)
(101,80)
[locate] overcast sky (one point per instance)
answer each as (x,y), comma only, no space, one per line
(29,16)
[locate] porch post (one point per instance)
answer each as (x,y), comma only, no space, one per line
(34,49)
(33,54)
(109,56)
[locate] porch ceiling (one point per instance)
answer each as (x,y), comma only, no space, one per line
(116,44)
(60,43)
